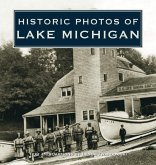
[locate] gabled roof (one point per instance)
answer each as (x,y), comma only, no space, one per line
(52,109)
(54,96)
(126,64)
(135,85)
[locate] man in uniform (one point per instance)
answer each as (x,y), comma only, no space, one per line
(95,140)
(88,134)
(39,143)
(78,137)
(59,140)
(122,134)
(29,146)
(19,147)
(50,139)
(67,134)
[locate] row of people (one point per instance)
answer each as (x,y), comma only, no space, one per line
(58,141)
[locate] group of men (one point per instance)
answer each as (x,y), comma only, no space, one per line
(57,141)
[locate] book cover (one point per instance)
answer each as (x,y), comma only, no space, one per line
(77,82)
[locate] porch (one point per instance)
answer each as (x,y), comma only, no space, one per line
(50,116)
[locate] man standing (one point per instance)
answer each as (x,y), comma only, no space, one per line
(67,138)
(39,143)
(19,146)
(95,140)
(78,137)
(122,134)
(88,134)
(29,146)
(50,139)
(59,140)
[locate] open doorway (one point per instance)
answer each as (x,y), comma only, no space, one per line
(116,105)
(52,122)
(148,106)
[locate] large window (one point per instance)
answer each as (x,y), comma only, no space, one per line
(33,122)
(66,91)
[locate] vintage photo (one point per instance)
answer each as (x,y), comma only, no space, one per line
(77,105)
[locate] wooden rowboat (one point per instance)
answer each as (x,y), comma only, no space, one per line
(110,124)
(6,151)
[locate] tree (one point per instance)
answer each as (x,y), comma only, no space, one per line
(150,64)
(13,72)
(133,56)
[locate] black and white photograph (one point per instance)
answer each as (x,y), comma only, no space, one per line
(75,105)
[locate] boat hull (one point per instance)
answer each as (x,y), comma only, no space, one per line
(6,151)
(110,126)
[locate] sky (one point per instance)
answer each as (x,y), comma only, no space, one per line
(147,6)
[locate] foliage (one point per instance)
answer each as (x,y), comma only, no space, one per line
(147,65)
(25,81)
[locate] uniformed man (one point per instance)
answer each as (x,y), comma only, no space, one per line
(78,137)
(88,134)
(50,139)
(29,146)
(59,140)
(95,139)
(122,134)
(19,147)
(67,134)
(39,143)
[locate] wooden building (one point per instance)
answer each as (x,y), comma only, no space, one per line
(100,81)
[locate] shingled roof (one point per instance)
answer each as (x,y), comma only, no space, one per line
(54,96)
(134,85)
(126,64)
(52,109)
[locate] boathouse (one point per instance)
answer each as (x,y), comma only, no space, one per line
(100,81)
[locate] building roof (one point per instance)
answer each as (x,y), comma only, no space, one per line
(135,85)
(54,96)
(126,64)
(52,109)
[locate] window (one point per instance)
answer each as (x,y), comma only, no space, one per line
(113,53)
(121,77)
(91,114)
(104,51)
(105,77)
(67,91)
(63,92)
(80,80)
(92,51)
(33,122)
(88,115)
(85,115)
